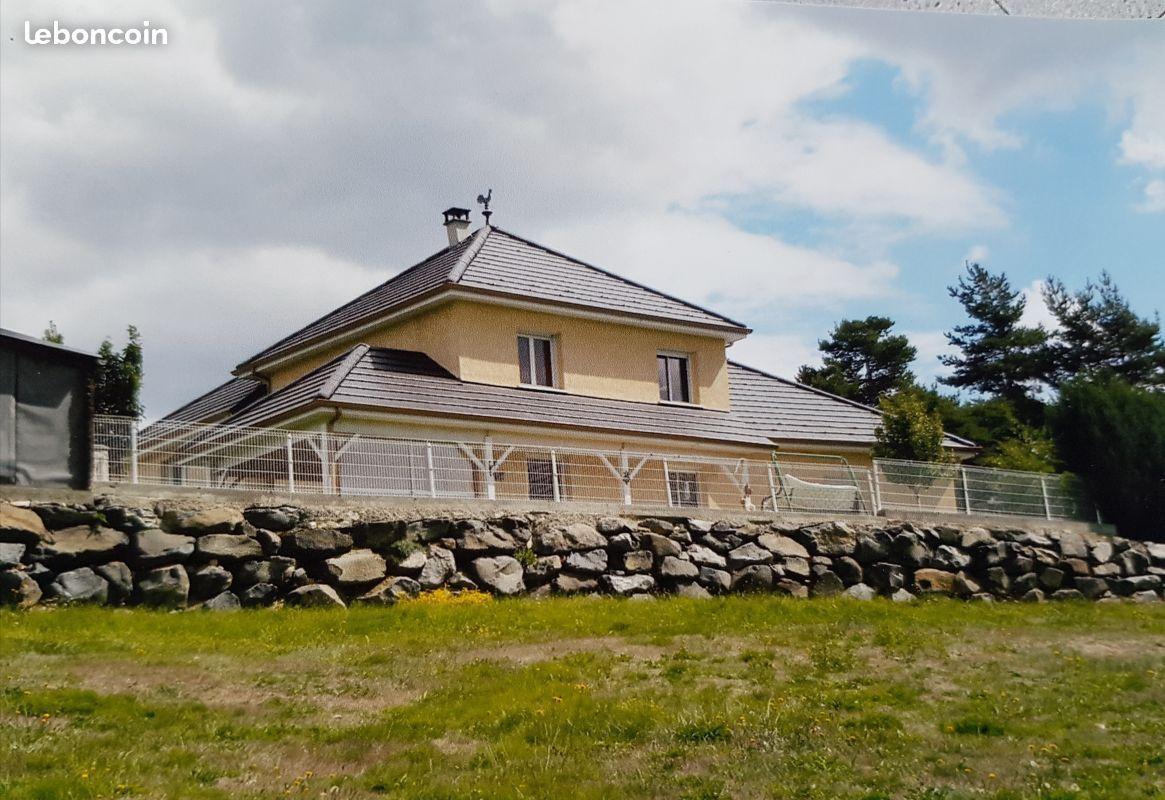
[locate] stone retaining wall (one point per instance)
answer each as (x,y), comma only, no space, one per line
(224,557)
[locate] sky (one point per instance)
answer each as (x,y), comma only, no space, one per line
(787,166)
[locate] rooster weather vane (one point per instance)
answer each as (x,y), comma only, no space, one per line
(484,200)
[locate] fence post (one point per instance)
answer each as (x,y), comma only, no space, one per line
(1044,492)
(133,451)
(873,493)
(290,466)
(772,487)
(667,483)
(432,471)
(877,487)
(966,488)
(491,489)
(626,469)
(554,476)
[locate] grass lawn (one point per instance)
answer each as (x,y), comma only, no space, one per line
(732,698)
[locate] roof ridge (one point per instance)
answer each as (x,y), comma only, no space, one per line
(619,277)
(468,254)
(342,371)
(832,396)
(426,260)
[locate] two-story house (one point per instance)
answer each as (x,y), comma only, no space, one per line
(498,339)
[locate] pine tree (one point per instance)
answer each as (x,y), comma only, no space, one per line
(863,361)
(1099,334)
(997,355)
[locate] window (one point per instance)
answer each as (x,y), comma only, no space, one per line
(673,378)
(536,360)
(540,477)
(684,488)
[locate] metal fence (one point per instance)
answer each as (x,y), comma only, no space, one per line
(348,464)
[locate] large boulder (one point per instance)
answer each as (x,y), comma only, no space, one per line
(885,576)
(611,526)
(1092,588)
(17,588)
(1102,552)
(1156,553)
(277,518)
(934,581)
(717,581)
(11,554)
(154,547)
(567,538)
(1072,545)
(672,569)
(829,539)
(501,574)
(753,578)
(848,569)
(20,525)
(315,543)
(261,594)
(628,584)
(588,562)
(874,547)
(481,538)
(228,547)
(637,561)
(276,570)
(565,583)
(210,580)
(860,591)
(706,556)
(391,590)
(950,558)
(219,519)
(827,584)
(412,564)
(356,567)
(79,586)
(975,537)
(225,601)
(543,569)
(748,554)
(782,546)
(120,579)
(82,545)
(1133,562)
(661,546)
(164,587)
(68,515)
(315,595)
(439,567)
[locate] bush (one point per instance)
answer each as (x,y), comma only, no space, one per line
(1112,435)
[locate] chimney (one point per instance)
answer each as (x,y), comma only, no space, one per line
(456,224)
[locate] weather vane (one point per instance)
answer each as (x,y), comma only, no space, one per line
(484,200)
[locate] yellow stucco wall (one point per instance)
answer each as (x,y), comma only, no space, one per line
(478,342)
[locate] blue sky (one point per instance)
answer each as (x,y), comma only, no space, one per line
(789,166)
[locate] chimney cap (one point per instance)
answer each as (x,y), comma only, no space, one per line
(455,214)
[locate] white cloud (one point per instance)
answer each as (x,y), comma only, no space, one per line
(276,159)
(1036,311)
(978,254)
(1154,197)
(776,354)
(721,265)
(930,345)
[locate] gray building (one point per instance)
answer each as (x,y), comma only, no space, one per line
(45,412)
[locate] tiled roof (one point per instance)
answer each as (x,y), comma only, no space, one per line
(764,408)
(789,411)
(396,381)
(494,261)
(220,401)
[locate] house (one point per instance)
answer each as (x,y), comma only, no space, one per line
(45,410)
(498,339)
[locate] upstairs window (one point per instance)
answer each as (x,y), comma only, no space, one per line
(536,360)
(674,384)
